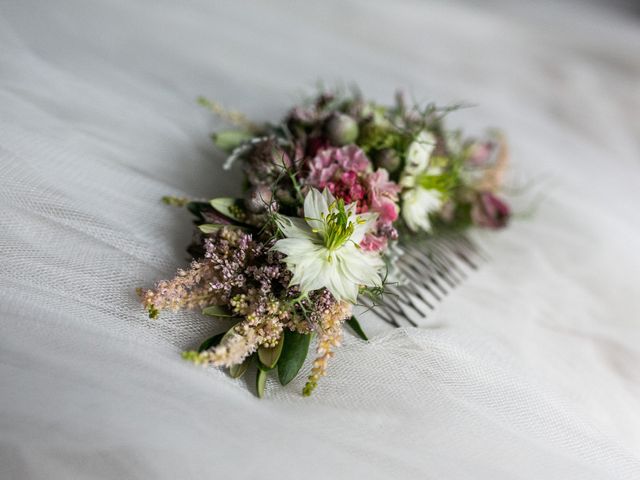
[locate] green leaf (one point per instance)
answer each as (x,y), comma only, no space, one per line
(196,209)
(229,140)
(210,227)
(214,227)
(269,356)
(294,352)
(355,326)
(261,380)
(228,207)
(236,371)
(216,311)
(262,366)
(211,342)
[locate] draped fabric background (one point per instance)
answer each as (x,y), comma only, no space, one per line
(530,370)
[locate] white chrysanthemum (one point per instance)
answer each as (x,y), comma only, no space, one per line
(417,204)
(322,250)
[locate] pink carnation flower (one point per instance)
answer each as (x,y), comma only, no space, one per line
(327,162)
(374,243)
(340,170)
(346,173)
(383,195)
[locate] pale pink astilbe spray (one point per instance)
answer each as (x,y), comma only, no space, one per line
(189,290)
(208,281)
(264,320)
(239,273)
(249,279)
(236,347)
(329,332)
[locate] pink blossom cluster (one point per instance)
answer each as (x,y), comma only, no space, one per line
(347,173)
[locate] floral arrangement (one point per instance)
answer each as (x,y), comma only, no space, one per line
(329,194)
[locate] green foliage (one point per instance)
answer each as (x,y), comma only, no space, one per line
(211,342)
(229,207)
(229,140)
(357,328)
(210,227)
(196,208)
(294,352)
(375,136)
(236,371)
(269,356)
(261,380)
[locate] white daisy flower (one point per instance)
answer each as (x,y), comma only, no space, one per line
(323,249)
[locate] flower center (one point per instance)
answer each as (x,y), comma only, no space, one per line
(338,225)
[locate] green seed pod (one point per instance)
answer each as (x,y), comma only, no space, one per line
(341,129)
(257,199)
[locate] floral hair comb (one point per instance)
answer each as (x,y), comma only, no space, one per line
(347,202)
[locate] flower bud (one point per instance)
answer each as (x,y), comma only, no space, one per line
(341,129)
(257,199)
(387,159)
(280,158)
(489,211)
(284,197)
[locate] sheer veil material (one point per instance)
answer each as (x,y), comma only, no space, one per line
(528,371)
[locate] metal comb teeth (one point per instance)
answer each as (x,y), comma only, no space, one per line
(427,272)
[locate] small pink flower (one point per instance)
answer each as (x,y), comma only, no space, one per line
(349,178)
(383,195)
(357,192)
(348,161)
(351,158)
(322,170)
(388,211)
(373,243)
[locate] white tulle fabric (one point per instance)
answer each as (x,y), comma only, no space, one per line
(528,371)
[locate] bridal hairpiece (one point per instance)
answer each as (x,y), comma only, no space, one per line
(346,202)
